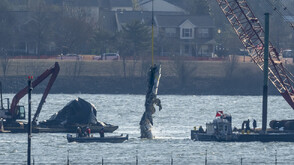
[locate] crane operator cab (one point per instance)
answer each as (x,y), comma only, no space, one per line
(20,112)
(6,113)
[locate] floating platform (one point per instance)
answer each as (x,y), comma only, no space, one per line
(4,131)
(108,139)
(220,129)
(69,129)
(239,137)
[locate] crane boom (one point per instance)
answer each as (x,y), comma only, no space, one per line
(251,34)
(54,71)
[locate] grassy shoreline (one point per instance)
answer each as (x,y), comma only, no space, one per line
(178,77)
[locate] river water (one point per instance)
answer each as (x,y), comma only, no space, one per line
(172,128)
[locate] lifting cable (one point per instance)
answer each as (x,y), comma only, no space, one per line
(285,9)
(284,13)
(282,10)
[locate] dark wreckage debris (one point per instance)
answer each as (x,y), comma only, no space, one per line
(76,113)
(146,122)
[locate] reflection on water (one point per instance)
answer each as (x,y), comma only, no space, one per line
(172,128)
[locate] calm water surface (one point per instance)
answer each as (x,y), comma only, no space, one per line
(172,128)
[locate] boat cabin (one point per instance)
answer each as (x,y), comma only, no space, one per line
(221,125)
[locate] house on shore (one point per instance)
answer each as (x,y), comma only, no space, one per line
(187,35)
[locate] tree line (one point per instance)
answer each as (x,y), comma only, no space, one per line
(42,29)
(46,29)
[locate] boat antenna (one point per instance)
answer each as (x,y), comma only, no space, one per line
(152,46)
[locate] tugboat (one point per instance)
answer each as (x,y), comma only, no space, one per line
(220,129)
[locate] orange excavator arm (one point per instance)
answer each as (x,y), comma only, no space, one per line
(54,70)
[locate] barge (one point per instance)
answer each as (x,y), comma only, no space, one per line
(22,128)
(220,129)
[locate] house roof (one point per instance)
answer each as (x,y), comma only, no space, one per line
(177,20)
(131,16)
(159,5)
(82,3)
(54,2)
(18,2)
(127,17)
(104,3)
(120,3)
(107,21)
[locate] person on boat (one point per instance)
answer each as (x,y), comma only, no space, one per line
(88,131)
(1,125)
(101,132)
(201,130)
(79,132)
(243,125)
(254,124)
(247,125)
(235,129)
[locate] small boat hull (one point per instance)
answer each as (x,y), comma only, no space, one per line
(108,139)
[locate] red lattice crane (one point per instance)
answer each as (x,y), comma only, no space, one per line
(251,34)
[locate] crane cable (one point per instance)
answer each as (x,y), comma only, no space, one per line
(285,9)
(152,46)
(291,76)
(277,7)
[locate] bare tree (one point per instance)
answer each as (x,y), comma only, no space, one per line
(7,24)
(4,61)
(184,71)
(230,65)
(134,41)
(77,68)
(38,27)
(73,33)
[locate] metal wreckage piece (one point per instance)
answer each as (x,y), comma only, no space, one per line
(146,122)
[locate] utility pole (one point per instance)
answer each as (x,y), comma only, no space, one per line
(1,96)
(205,157)
(29,122)
(137,162)
(265,73)
(276,159)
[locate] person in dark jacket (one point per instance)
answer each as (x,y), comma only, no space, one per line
(254,124)
(247,125)
(101,132)
(79,132)
(201,130)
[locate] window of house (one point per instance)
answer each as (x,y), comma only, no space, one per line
(203,32)
(170,32)
(187,33)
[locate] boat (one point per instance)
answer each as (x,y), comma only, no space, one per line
(107,139)
(220,129)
